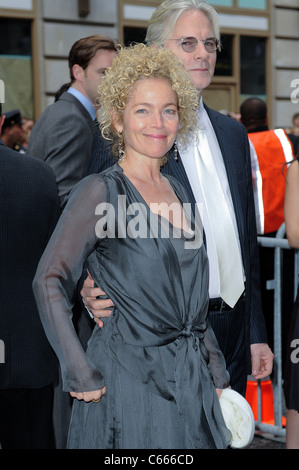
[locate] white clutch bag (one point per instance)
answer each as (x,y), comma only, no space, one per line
(238,417)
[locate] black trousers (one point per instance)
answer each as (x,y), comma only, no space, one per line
(230,330)
(26,419)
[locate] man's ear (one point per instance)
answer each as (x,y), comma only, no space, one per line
(77,72)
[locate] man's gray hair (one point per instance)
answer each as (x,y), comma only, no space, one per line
(166,15)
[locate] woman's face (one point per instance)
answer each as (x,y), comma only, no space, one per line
(150,119)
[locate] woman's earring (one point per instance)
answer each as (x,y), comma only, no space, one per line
(175,151)
(120,146)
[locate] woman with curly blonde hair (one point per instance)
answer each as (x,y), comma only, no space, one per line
(141,62)
(148,378)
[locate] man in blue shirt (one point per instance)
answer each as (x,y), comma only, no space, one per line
(63,136)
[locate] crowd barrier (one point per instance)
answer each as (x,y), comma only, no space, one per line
(277,428)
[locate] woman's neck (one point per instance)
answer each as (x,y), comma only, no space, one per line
(143,169)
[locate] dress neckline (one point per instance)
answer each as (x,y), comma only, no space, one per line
(160,217)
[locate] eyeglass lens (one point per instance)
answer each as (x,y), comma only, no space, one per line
(189,44)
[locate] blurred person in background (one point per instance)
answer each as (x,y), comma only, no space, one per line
(29,208)
(12,133)
(63,135)
(27,128)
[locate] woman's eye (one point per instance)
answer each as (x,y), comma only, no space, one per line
(170,111)
(141,111)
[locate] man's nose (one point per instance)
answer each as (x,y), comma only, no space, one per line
(200,51)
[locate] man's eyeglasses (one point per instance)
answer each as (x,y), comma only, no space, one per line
(189,44)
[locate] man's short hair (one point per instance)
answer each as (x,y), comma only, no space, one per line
(85,49)
(253,112)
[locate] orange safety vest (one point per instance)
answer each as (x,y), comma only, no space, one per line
(270,150)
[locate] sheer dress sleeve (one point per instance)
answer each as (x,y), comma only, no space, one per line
(216,360)
(56,280)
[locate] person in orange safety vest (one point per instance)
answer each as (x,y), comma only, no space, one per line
(270,151)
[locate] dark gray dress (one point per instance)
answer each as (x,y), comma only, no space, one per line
(156,354)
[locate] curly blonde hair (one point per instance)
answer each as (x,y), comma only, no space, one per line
(140,61)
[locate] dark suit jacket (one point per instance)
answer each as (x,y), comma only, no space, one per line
(29,208)
(63,137)
(233,141)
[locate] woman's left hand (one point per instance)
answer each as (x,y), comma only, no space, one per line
(94,395)
(220,390)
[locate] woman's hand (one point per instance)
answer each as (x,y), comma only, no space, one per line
(220,390)
(94,395)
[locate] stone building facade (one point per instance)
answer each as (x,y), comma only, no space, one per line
(260,43)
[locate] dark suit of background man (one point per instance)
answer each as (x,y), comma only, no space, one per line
(63,135)
(29,208)
(239,327)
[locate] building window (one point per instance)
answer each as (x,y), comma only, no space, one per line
(16,65)
(133,34)
(224,63)
(253,4)
(250,4)
(253,66)
(222,3)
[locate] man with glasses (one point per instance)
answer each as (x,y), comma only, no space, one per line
(190,28)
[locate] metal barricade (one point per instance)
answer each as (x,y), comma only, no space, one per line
(279,244)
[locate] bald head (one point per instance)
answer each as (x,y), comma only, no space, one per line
(253,113)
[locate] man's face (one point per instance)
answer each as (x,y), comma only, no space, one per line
(13,135)
(17,134)
(91,77)
(199,63)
